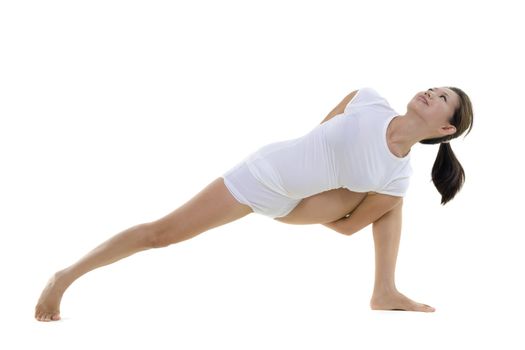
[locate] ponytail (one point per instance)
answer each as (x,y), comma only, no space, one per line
(447,173)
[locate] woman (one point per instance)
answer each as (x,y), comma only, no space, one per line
(350,171)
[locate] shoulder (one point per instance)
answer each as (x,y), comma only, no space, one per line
(367,90)
(368,99)
(368,95)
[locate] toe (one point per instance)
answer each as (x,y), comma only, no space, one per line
(426,308)
(47,317)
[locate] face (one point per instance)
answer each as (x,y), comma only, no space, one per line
(436,106)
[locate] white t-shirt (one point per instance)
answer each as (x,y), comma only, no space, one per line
(350,150)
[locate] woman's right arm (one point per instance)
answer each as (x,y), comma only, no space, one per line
(340,108)
(373,207)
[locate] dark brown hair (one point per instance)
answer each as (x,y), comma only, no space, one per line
(447,173)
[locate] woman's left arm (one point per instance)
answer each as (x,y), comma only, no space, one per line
(373,207)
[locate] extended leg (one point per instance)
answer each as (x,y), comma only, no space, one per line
(212,207)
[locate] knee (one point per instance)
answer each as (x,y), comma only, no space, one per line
(161,235)
(155,235)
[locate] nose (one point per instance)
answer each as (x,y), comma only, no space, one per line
(428,93)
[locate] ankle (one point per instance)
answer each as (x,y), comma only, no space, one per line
(63,278)
(380,290)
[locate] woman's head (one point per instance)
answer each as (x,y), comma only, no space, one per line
(448,113)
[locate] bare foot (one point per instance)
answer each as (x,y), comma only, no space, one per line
(48,306)
(397,301)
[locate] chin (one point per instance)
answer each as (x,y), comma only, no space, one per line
(415,106)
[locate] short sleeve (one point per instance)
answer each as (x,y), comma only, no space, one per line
(365,96)
(397,187)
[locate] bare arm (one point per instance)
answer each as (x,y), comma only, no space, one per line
(385,212)
(387,235)
(340,107)
(373,207)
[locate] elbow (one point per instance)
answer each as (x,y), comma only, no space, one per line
(339,227)
(347,228)
(352,227)
(347,231)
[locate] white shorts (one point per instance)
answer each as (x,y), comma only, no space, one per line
(249,190)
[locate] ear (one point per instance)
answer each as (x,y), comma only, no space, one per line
(448,130)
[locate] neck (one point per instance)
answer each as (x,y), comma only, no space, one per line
(402,133)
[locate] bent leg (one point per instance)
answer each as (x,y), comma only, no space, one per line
(324,207)
(213,206)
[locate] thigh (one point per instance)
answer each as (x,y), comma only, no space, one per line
(324,207)
(213,206)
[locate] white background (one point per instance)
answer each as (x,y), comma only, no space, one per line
(115,113)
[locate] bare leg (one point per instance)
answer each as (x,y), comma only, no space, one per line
(324,207)
(387,235)
(212,207)
(121,245)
